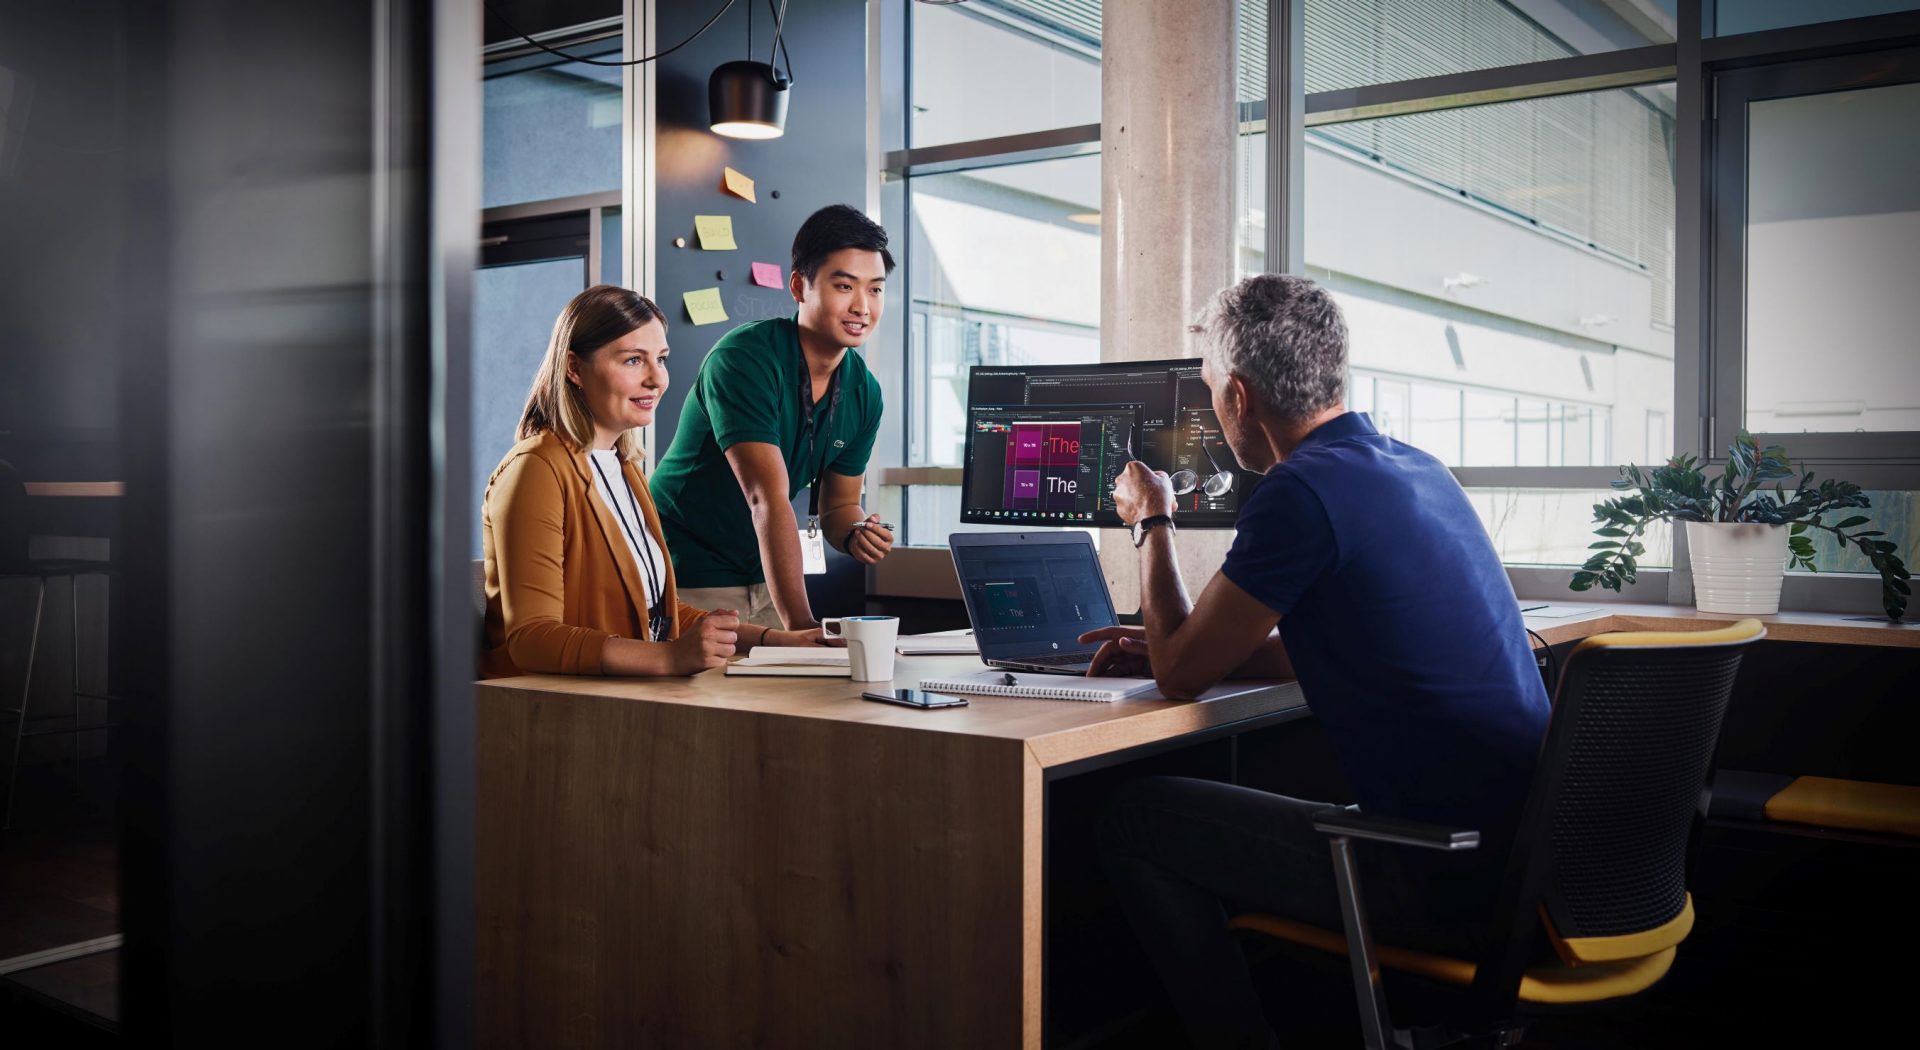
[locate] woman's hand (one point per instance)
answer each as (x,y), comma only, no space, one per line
(1122,654)
(811,636)
(708,643)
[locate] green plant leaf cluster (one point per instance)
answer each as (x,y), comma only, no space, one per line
(1682,491)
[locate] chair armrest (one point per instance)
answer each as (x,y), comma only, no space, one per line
(1392,829)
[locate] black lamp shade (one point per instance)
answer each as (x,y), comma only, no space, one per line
(746,102)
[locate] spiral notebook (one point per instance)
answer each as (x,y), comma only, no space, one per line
(1040,686)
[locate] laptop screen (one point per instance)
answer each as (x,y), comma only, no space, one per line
(1029,594)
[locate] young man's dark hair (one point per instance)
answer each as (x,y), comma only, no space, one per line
(832,228)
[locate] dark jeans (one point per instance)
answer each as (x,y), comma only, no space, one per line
(1186,854)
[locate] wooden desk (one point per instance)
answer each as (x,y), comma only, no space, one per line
(1832,628)
(758,861)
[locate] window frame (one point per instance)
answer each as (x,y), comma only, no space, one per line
(1877,460)
(1692,63)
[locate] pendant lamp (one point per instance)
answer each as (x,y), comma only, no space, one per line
(747,100)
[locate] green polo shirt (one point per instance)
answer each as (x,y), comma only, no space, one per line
(748,389)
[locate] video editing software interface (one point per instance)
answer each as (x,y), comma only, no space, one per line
(1045,443)
(1044,594)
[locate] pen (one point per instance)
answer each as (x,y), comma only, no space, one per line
(1530,608)
(866,524)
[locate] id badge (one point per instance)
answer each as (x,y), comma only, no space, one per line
(813,552)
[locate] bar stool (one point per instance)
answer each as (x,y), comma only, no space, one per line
(15,565)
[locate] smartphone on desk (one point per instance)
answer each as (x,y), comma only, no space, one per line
(916,698)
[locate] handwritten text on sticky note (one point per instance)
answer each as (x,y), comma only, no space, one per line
(703,306)
(737,184)
(716,232)
(767,275)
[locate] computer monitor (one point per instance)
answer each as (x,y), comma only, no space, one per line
(1044,443)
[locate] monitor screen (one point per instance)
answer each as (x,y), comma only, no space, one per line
(1044,443)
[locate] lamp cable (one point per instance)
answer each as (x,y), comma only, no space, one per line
(724,8)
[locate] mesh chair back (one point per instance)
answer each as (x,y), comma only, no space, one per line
(1638,718)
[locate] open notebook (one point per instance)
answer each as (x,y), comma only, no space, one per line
(1040,686)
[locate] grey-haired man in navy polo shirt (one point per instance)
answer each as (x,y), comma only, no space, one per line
(1359,568)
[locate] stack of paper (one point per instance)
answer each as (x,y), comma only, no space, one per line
(793,660)
(939,643)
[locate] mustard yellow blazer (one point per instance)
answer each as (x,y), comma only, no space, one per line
(560,577)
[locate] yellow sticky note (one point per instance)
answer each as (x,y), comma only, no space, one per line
(737,184)
(716,232)
(704,306)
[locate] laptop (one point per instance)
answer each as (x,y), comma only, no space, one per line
(1030,595)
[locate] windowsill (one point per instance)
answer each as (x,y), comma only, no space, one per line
(927,572)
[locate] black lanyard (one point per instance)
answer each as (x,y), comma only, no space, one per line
(650,582)
(806,440)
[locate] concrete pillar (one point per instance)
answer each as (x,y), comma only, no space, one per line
(1167,124)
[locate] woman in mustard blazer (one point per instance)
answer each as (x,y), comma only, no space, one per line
(578,578)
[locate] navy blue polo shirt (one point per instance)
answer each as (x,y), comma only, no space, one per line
(1401,625)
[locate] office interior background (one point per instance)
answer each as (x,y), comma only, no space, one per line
(275,277)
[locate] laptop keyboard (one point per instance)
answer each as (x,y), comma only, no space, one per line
(1062,660)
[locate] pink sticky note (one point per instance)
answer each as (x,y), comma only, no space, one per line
(767,275)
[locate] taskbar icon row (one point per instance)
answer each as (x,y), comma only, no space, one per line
(1038,515)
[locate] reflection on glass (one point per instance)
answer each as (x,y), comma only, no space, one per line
(1354,43)
(1833,244)
(1505,273)
(1005,269)
(983,71)
(610,246)
(1554,526)
(1752,16)
(513,311)
(550,132)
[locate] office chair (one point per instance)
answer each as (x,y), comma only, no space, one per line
(16,565)
(1598,863)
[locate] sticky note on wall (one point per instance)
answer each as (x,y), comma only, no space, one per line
(703,306)
(737,184)
(767,275)
(716,232)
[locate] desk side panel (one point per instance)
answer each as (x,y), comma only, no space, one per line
(671,875)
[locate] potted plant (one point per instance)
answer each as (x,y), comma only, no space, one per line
(1740,539)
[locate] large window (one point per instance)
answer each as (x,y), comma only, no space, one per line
(551,177)
(1355,43)
(1506,275)
(1495,191)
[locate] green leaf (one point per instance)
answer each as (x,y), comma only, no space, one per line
(1604,545)
(1579,584)
(1798,528)
(1611,532)
(1857,519)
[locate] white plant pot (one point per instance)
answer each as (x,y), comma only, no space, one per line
(1737,568)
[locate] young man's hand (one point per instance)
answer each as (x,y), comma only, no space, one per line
(1141,493)
(867,542)
(1123,653)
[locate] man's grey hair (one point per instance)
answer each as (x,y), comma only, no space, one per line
(1282,335)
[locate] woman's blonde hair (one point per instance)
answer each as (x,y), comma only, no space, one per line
(595,317)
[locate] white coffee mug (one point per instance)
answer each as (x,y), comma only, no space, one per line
(870,641)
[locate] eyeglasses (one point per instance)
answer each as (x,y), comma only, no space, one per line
(1219,483)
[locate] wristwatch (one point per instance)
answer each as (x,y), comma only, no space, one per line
(1145,525)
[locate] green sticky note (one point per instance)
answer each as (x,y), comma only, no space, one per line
(716,232)
(703,306)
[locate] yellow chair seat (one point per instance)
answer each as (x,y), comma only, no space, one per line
(1856,804)
(1551,984)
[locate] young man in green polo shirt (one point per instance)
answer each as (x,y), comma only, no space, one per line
(780,408)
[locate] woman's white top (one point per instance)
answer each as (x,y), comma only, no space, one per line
(611,482)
